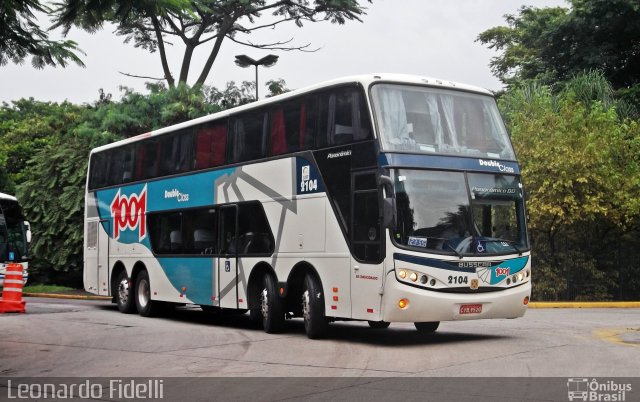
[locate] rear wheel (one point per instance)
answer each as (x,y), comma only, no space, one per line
(271,306)
(146,306)
(315,321)
(427,327)
(379,324)
(124,294)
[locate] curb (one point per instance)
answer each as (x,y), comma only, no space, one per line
(635,304)
(63,296)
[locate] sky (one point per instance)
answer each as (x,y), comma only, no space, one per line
(431,38)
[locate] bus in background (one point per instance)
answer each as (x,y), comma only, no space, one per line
(15,235)
(380,198)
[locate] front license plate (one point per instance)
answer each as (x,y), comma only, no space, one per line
(471,309)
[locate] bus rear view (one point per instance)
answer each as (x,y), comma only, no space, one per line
(14,235)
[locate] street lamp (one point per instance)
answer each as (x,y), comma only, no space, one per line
(246,61)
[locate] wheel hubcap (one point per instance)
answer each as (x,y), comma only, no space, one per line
(144,293)
(123,291)
(264,303)
(306,311)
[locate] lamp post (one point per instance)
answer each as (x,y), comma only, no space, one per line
(246,61)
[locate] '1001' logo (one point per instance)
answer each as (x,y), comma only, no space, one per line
(129,213)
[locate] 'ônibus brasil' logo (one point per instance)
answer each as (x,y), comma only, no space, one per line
(129,213)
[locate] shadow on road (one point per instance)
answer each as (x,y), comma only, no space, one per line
(355,332)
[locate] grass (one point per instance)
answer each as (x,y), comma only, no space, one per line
(45,289)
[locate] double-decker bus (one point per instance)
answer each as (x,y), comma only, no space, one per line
(15,235)
(381,198)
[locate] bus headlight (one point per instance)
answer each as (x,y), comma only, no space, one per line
(402,274)
(413,277)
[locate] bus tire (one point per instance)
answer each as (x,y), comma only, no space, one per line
(315,321)
(271,306)
(379,324)
(124,294)
(146,306)
(427,327)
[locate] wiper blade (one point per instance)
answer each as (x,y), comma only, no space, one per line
(453,249)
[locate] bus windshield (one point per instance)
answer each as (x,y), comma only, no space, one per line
(13,244)
(439,212)
(430,120)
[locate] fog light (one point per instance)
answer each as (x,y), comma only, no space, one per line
(403,303)
(528,273)
(432,282)
(413,277)
(423,279)
(508,281)
(402,274)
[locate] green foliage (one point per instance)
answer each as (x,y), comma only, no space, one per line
(53,199)
(21,36)
(580,162)
(555,44)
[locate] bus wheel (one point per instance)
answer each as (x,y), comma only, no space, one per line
(146,306)
(271,307)
(315,322)
(124,294)
(427,327)
(379,324)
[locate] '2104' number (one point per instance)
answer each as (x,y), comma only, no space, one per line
(308,185)
(458,280)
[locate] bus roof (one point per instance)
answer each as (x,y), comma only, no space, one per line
(365,79)
(7,197)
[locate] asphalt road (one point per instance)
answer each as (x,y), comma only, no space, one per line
(91,338)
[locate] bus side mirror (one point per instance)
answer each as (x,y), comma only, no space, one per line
(388,210)
(389,215)
(27,230)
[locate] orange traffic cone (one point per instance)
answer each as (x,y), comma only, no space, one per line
(12,292)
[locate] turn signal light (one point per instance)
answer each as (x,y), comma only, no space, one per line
(526,300)
(403,303)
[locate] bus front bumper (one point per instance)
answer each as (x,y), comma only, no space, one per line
(424,305)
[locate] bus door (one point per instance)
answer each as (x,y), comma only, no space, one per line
(96,278)
(227,264)
(367,270)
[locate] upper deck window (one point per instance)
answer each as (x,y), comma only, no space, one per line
(430,120)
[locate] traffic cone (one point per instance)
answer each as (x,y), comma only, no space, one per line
(12,292)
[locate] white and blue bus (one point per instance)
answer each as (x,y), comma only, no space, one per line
(381,198)
(15,235)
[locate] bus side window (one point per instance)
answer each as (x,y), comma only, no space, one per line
(254,232)
(116,167)
(308,123)
(343,118)
(249,136)
(146,159)
(128,165)
(99,170)
(279,144)
(165,231)
(211,142)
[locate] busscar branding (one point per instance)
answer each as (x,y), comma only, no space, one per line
(496,164)
(339,154)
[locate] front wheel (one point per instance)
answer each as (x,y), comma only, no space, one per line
(146,306)
(427,327)
(315,322)
(124,294)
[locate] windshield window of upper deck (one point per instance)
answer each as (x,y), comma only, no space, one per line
(441,121)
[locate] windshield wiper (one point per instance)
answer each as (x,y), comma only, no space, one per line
(453,249)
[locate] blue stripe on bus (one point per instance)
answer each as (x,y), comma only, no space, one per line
(194,274)
(448,163)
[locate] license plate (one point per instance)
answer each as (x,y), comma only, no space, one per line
(471,309)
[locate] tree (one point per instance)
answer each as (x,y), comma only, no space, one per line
(20,37)
(152,25)
(555,44)
(581,166)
